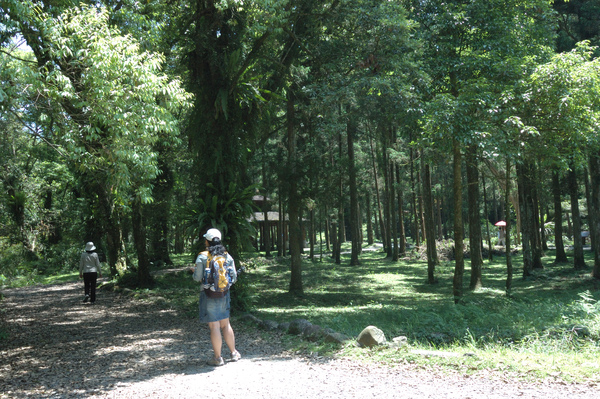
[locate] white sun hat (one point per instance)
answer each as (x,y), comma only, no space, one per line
(211,234)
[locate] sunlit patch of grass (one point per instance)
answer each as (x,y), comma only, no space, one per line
(60,278)
(537,324)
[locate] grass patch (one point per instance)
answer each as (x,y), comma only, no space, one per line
(548,328)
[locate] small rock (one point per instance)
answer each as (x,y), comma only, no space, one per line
(250,317)
(283,326)
(297,326)
(312,333)
(327,330)
(581,331)
(434,353)
(269,325)
(399,341)
(335,338)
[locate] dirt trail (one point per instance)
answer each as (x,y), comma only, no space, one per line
(124,348)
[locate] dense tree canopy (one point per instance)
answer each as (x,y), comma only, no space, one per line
(139,124)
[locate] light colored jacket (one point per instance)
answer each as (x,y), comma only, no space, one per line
(89,263)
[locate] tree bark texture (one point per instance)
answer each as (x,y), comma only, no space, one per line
(594,168)
(139,240)
(294,203)
(370,238)
(387,206)
(401,230)
(509,266)
(432,257)
(561,255)
(393,214)
(354,211)
(459,267)
(377,192)
(487,224)
(526,205)
(415,212)
(474,218)
(159,211)
(578,259)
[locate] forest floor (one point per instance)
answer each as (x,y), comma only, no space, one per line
(58,347)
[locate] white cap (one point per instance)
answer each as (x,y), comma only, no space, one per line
(211,234)
(90,246)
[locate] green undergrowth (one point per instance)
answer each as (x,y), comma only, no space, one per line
(548,328)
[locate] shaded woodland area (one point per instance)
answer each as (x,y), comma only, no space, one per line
(137,125)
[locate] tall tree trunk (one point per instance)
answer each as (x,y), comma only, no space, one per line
(281,227)
(377,192)
(393,214)
(335,255)
(111,228)
(578,259)
(401,232)
(588,201)
(354,211)
(376,226)
(266,231)
(535,199)
(432,257)
(294,203)
(341,231)
(509,267)
(474,218)
(594,166)
(340,207)
(387,205)
(312,234)
(370,238)
(139,239)
(415,211)
(543,236)
(514,198)
(159,211)
(420,201)
(487,224)
(440,225)
(459,267)
(327,230)
(266,206)
(526,218)
(561,256)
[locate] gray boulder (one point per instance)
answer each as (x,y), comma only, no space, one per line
(371,336)
(312,333)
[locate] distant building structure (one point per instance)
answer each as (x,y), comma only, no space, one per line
(272,226)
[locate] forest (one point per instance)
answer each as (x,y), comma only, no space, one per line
(418,125)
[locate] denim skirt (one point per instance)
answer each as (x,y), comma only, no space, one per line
(214,309)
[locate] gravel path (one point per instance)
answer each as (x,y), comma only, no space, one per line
(124,348)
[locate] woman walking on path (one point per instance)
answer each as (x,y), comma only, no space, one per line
(89,270)
(215,296)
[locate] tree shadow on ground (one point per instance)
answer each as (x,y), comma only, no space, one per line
(59,347)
